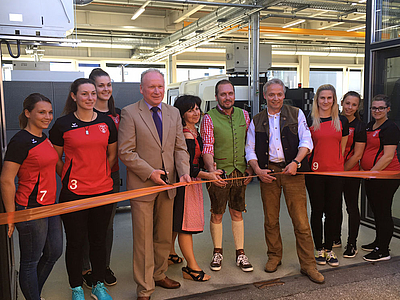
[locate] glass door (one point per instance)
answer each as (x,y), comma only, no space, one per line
(386,80)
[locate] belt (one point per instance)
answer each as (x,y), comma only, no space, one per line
(281,165)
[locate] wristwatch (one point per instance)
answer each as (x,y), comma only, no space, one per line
(298,163)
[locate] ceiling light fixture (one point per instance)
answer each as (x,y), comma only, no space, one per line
(140,10)
(293,23)
(356,28)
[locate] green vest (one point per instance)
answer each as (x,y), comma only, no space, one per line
(229,140)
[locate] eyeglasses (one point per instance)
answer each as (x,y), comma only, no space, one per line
(380,108)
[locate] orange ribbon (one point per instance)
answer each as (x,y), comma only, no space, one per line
(76,205)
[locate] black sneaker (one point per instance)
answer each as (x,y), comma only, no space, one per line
(377,255)
(88,279)
(337,244)
(369,247)
(110,278)
(351,251)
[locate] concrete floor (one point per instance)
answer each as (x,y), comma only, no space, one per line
(56,287)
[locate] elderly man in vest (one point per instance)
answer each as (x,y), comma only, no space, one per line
(223,130)
(278,141)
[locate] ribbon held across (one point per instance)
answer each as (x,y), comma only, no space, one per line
(76,205)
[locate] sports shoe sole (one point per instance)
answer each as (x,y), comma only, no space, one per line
(336,245)
(309,277)
(246,269)
(110,284)
(379,259)
(333,264)
(351,256)
(321,262)
(367,249)
(215,268)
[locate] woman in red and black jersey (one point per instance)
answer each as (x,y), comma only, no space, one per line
(352,155)
(89,141)
(104,105)
(31,157)
(329,132)
(380,153)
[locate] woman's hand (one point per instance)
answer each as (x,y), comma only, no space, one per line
(11,227)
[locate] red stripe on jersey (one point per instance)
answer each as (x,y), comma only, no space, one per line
(371,150)
(40,164)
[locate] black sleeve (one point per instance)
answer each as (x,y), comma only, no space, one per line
(391,135)
(191,147)
(118,111)
(56,136)
(113,131)
(360,133)
(17,151)
(345,125)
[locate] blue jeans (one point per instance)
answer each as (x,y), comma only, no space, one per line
(40,244)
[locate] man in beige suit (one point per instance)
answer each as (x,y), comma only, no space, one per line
(151,144)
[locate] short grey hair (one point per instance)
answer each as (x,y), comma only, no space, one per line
(274,81)
(149,71)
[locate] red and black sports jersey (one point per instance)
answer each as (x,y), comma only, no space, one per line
(357,134)
(386,134)
(327,153)
(37,173)
(86,169)
(116,120)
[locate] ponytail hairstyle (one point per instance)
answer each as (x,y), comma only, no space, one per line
(334,110)
(70,104)
(98,72)
(29,105)
(357,95)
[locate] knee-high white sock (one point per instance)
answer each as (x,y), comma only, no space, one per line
(216,234)
(238,233)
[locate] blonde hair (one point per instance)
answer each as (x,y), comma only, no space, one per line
(334,110)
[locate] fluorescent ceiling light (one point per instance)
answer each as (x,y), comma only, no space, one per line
(331,25)
(137,13)
(105,45)
(293,23)
(356,28)
(140,11)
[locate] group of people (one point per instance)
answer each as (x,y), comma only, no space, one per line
(161,144)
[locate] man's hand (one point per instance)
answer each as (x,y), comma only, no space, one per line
(290,169)
(264,176)
(156,176)
(248,179)
(185,178)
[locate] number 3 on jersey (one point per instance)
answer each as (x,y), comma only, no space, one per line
(73,184)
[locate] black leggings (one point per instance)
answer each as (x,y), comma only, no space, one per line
(78,226)
(325,193)
(380,193)
(351,190)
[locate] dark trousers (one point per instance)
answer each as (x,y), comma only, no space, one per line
(90,223)
(325,193)
(351,190)
(380,194)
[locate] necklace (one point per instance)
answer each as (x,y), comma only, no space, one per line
(193,132)
(86,127)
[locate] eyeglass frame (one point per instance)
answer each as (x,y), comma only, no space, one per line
(378,109)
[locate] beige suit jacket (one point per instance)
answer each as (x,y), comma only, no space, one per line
(140,149)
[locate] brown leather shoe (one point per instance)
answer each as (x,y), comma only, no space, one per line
(314,275)
(168,283)
(143,298)
(272,265)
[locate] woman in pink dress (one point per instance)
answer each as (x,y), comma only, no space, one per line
(188,205)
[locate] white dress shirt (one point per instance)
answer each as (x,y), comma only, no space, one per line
(275,145)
